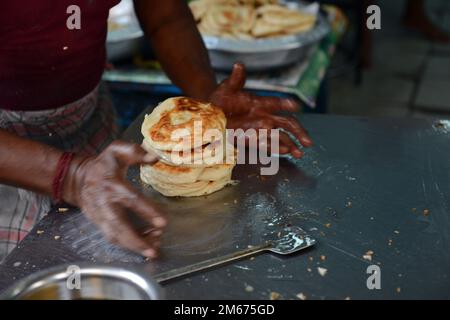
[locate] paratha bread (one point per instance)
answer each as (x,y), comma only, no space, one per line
(278,20)
(200,188)
(180,123)
(206,155)
(249,19)
(182,175)
(197,188)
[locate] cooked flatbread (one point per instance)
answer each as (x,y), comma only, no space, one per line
(193,189)
(180,123)
(282,16)
(249,19)
(206,155)
(198,8)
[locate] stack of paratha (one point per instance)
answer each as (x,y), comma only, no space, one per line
(249,19)
(189,137)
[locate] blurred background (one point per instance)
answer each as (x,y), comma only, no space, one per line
(337,67)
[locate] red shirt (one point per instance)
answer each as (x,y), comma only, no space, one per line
(44,64)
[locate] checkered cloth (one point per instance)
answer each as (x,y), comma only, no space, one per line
(85,126)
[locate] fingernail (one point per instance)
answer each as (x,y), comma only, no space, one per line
(306,141)
(151,253)
(156,233)
(159,222)
(297,154)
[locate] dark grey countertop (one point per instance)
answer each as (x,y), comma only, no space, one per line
(378,184)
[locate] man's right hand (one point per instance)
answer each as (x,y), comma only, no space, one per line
(98,186)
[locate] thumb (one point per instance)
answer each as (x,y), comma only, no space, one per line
(236,81)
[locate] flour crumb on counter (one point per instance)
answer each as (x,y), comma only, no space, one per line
(322,271)
(249,288)
(368,255)
(274,295)
(301,296)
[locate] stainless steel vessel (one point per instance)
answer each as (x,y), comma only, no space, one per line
(267,53)
(85,282)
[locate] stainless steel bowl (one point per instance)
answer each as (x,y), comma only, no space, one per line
(124,41)
(267,53)
(84,282)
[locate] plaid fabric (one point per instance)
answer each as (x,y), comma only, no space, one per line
(85,126)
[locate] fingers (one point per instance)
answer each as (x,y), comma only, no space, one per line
(142,206)
(292,125)
(288,146)
(121,232)
(129,154)
(274,104)
(236,81)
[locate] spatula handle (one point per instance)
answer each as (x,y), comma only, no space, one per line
(176,273)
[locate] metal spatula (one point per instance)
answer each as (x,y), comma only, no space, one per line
(287,241)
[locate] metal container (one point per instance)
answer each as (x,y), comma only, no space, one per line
(124,41)
(85,282)
(263,54)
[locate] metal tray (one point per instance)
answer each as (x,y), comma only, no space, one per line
(268,53)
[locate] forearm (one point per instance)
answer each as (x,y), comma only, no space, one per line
(172,31)
(28,164)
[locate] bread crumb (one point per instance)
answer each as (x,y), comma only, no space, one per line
(322,257)
(301,296)
(398,289)
(368,255)
(40,231)
(61,210)
(248,288)
(328,225)
(274,295)
(322,271)
(57,237)
(426,212)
